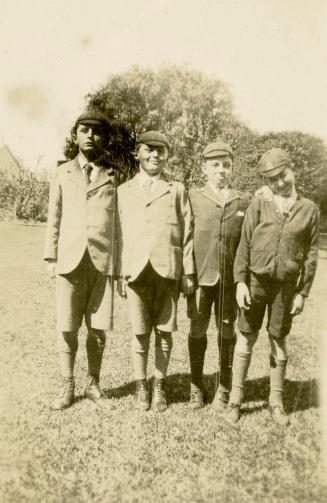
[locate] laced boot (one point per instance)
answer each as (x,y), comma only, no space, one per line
(159,399)
(93,392)
(142,395)
(66,398)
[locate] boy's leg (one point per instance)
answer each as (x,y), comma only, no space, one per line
(98,318)
(249,324)
(279,325)
(67,348)
(198,309)
(139,298)
(225,311)
(164,308)
(70,304)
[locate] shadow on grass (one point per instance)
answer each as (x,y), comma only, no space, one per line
(298,395)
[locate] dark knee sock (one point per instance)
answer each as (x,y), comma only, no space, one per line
(226,353)
(95,344)
(197,348)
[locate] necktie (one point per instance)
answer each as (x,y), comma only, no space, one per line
(87,173)
(147,187)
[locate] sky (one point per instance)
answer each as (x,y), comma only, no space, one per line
(272,54)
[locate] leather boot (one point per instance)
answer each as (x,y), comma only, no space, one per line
(142,395)
(159,399)
(93,392)
(66,398)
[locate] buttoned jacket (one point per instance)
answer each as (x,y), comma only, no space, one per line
(81,217)
(283,247)
(156,229)
(217,230)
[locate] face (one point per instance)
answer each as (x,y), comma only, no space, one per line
(90,139)
(283,183)
(218,171)
(152,159)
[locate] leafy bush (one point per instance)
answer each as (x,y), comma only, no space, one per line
(24,196)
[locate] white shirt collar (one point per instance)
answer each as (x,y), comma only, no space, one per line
(143,177)
(82,161)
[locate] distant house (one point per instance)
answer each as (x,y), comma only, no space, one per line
(9,166)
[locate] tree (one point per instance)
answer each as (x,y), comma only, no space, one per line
(190,108)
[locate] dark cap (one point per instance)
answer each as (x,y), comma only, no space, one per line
(93,118)
(154,138)
(217,149)
(273,162)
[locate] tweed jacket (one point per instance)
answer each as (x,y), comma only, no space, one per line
(81,217)
(283,247)
(217,231)
(156,229)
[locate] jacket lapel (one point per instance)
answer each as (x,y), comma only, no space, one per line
(103,177)
(76,174)
(161,187)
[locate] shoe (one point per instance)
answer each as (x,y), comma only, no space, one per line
(66,397)
(198,398)
(142,395)
(159,399)
(220,400)
(233,412)
(93,392)
(279,415)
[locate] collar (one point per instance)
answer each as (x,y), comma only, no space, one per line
(82,161)
(143,178)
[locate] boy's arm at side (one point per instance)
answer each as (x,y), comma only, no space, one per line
(311,258)
(187,279)
(54,219)
(187,223)
(242,258)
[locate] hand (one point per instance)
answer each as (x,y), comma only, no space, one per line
(298,304)
(51,268)
(121,287)
(266,192)
(243,296)
(187,284)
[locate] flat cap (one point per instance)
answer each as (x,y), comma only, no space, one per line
(217,149)
(154,138)
(273,162)
(93,117)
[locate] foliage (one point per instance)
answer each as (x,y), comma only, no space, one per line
(24,196)
(192,110)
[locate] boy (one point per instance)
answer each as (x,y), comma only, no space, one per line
(218,216)
(80,250)
(274,267)
(156,254)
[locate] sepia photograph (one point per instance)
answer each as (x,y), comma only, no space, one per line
(163,251)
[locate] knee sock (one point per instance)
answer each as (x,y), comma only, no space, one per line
(197,348)
(163,347)
(140,350)
(277,377)
(226,352)
(95,343)
(241,365)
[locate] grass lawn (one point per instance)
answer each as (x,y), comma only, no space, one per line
(81,455)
